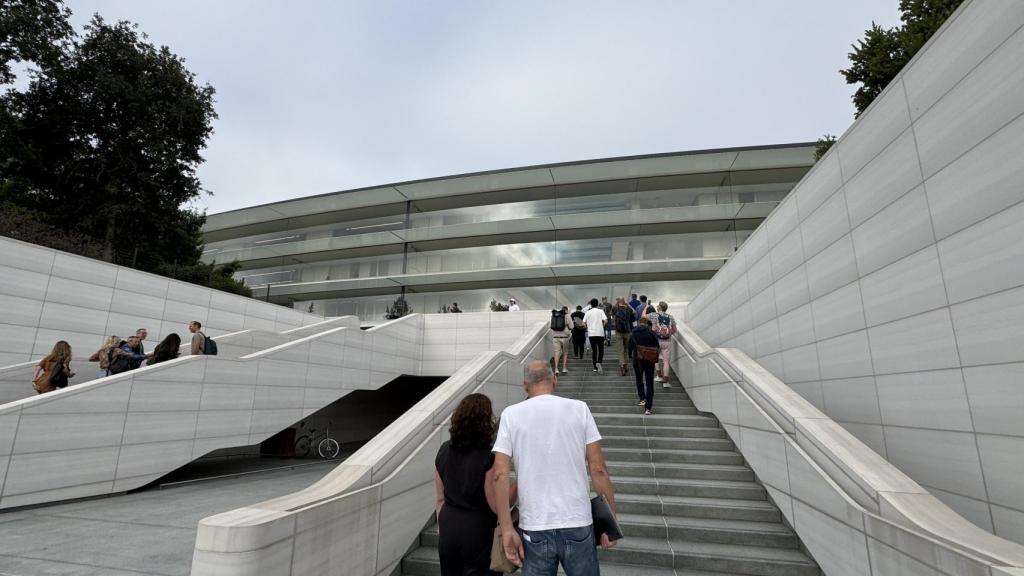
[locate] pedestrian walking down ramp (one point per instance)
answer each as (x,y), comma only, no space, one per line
(687,502)
(363,516)
(16,379)
(854,512)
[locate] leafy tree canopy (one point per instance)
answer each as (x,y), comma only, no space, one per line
(881,54)
(104,143)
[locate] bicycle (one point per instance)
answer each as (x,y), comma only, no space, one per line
(326,447)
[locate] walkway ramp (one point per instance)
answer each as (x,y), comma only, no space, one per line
(121,432)
(16,379)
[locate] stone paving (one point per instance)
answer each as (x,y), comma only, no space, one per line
(147,532)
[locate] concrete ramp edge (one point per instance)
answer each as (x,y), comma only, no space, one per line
(362,517)
(854,511)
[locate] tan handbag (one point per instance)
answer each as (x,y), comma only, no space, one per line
(500,562)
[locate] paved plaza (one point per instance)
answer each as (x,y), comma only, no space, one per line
(148,532)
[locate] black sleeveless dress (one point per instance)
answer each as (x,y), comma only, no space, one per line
(466,523)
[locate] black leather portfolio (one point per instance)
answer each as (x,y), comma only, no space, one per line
(604,519)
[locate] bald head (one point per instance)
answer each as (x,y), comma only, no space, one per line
(538,377)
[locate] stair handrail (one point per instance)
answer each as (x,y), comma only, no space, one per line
(868,481)
(240,533)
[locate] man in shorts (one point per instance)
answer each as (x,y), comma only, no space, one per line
(561,340)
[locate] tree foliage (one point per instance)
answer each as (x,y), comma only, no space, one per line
(881,54)
(823,145)
(104,142)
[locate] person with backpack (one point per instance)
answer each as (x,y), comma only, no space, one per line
(646,348)
(623,318)
(664,327)
(104,354)
(579,333)
(560,335)
(54,370)
(201,343)
(127,356)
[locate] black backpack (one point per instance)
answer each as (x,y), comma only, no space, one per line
(209,346)
(120,363)
(558,320)
(622,323)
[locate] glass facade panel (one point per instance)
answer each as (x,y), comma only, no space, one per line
(304,238)
(373,308)
(619,249)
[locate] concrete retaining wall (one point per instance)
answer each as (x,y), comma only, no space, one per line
(888,287)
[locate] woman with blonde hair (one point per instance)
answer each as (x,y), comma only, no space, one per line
(53,371)
(105,354)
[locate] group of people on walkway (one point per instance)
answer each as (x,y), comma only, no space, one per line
(553,442)
(115,356)
(642,333)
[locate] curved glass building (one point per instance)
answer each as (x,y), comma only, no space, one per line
(546,235)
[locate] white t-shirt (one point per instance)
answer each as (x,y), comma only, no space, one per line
(546,436)
(595,319)
(513,307)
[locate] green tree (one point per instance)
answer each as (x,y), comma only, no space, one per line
(881,54)
(823,145)
(104,143)
(31,31)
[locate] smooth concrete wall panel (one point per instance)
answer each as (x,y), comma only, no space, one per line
(854,512)
(907,282)
(46,292)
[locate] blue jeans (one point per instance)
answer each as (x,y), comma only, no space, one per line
(574,548)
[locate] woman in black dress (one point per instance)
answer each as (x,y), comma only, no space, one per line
(465,490)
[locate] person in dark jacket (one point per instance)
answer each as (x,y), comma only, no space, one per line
(644,337)
(464,484)
(579,333)
(134,350)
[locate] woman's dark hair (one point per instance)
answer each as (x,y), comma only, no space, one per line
(579,308)
(473,423)
(167,349)
(593,302)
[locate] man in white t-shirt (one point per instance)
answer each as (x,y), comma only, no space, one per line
(554,442)
(595,319)
(513,306)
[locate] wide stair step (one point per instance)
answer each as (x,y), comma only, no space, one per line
(687,502)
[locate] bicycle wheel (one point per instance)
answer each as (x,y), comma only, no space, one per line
(302,445)
(328,448)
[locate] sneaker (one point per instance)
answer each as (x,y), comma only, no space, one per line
(666,385)
(565,370)
(641,403)
(599,369)
(648,412)
(659,379)
(595,368)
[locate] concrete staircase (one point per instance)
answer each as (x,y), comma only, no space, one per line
(687,502)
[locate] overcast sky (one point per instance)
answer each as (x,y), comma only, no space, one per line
(316,96)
